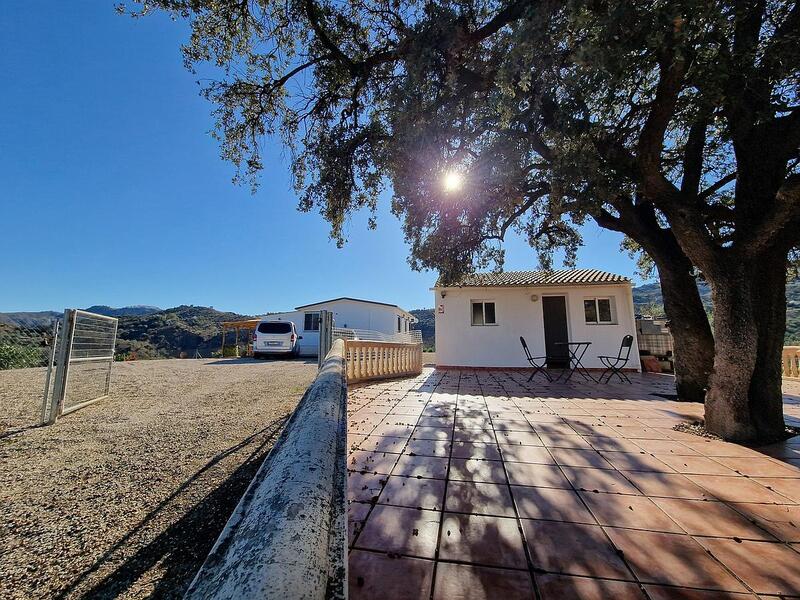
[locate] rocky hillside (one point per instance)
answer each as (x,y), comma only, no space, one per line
(427,323)
(168,333)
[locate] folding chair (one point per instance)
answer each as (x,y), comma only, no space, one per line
(537,368)
(615,364)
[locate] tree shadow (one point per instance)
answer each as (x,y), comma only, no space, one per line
(183,546)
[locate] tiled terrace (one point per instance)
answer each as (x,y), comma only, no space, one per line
(476,484)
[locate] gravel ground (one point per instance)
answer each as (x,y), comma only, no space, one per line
(124,498)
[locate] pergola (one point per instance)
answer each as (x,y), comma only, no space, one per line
(248,325)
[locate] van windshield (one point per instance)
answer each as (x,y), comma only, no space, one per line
(275,328)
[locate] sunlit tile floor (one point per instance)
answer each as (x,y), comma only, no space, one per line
(477,484)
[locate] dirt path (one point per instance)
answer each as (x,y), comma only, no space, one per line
(126,497)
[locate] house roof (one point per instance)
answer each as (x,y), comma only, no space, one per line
(313,304)
(538,278)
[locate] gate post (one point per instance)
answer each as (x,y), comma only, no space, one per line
(62,368)
(325,335)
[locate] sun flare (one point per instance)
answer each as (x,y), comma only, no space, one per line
(453,181)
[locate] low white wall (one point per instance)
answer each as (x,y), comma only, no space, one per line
(458,343)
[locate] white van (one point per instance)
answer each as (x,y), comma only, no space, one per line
(275,337)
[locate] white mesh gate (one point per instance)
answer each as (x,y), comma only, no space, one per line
(82,361)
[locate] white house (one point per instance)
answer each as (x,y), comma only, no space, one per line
(480,319)
(348,313)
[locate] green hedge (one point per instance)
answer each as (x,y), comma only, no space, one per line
(20,357)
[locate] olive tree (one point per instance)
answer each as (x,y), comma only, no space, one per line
(676,123)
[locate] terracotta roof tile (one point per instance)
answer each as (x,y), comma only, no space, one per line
(538,278)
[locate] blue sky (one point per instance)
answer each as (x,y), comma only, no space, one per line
(112,190)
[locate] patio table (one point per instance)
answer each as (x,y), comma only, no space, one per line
(576,350)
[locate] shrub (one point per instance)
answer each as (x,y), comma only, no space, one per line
(13,356)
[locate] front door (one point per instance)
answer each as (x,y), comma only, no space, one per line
(554,311)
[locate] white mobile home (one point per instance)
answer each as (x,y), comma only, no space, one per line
(480,319)
(348,313)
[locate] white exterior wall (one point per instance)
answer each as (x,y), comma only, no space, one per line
(460,344)
(346,313)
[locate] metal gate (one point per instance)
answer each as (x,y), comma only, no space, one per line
(82,359)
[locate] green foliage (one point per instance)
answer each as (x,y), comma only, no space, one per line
(14,356)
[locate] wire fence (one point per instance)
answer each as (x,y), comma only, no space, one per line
(24,354)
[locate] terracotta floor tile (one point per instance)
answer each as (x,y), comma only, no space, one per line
(413,492)
(748,560)
(372,576)
(555,440)
(438,448)
(470,582)
(356,516)
(630,461)
(523,438)
(536,475)
(485,436)
(511,425)
(393,431)
(673,559)
(446,422)
(694,465)
(527,454)
(493,541)
(668,485)
(476,450)
(736,489)
(759,467)
(788,488)
(718,448)
(401,530)
(563,587)
(573,548)
(421,466)
(781,520)
(486,471)
(364,486)
(479,498)
(579,457)
(700,517)
(382,443)
(613,444)
(599,480)
(660,592)
(634,512)
(372,462)
(432,433)
(666,447)
(551,504)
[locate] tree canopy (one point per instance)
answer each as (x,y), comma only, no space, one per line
(674,122)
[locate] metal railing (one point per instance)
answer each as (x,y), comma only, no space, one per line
(412,337)
(790,362)
(287,537)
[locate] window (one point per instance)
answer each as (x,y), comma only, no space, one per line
(598,310)
(274,327)
(483,313)
(398,325)
(311,321)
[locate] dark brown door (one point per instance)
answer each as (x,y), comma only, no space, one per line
(554,310)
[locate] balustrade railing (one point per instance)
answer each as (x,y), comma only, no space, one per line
(367,360)
(790,362)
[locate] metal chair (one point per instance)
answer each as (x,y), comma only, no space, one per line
(615,364)
(537,368)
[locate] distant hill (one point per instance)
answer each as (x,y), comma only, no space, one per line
(125,311)
(168,333)
(427,323)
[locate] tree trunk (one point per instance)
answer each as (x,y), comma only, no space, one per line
(691,331)
(744,402)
